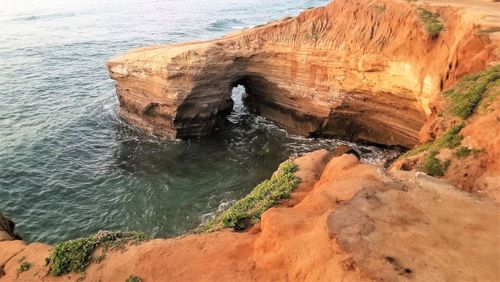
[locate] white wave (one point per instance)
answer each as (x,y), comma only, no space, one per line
(242,27)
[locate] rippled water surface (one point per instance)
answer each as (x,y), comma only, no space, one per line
(69,166)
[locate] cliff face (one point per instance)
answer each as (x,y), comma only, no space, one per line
(7,229)
(355,69)
(364,70)
(347,221)
(461,139)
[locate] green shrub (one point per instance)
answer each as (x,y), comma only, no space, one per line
(474,91)
(433,25)
(248,210)
(23,266)
(463,152)
(133,279)
(467,94)
(432,166)
(76,255)
(450,139)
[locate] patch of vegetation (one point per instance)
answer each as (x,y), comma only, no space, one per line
(450,139)
(23,266)
(76,255)
(433,25)
(248,210)
(464,152)
(417,150)
(132,278)
(491,94)
(467,94)
(472,93)
(494,93)
(434,167)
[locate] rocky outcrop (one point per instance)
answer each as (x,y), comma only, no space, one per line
(461,139)
(347,221)
(7,227)
(355,69)
(363,70)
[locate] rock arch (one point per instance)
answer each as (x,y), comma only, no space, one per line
(323,73)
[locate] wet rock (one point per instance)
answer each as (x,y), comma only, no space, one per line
(344,149)
(7,227)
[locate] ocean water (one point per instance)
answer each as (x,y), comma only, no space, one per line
(70,167)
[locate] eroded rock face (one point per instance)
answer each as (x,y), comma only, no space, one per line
(355,69)
(347,221)
(7,227)
(404,231)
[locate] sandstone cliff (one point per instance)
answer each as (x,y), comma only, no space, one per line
(363,70)
(461,139)
(347,221)
(355,69)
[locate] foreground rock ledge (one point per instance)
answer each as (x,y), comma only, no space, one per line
(355,69)
(347,221)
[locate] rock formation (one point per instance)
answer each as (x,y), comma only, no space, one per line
(7,229)
(461,138)
(347,221)
(355,69)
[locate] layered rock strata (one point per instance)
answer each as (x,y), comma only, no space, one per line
(355,69)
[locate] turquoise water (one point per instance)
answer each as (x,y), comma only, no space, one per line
(70,167)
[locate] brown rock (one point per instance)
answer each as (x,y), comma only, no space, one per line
(354,222)
(407,230)
(359,70)
(7,227)
(344,149)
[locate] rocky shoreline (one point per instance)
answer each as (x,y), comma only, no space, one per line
(422,75)
(346,221)
(358,70)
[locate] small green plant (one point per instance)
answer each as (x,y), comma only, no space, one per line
(434,167)
(132,278)
(450,139)
(467,94)
(23,266)
(472,93)
(433,25)
(76,255)
(248,210)
(464,152)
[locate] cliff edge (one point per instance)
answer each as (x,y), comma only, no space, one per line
(347,221)
(422,75)
(355,69)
